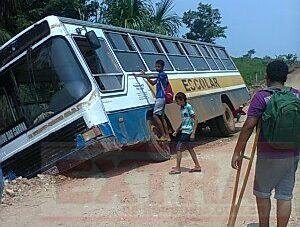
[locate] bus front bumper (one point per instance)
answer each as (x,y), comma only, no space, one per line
(89,150)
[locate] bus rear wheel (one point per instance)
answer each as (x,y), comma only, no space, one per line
(225,122)
(157,151)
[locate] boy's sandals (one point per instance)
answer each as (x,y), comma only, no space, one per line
(175,171)
(194,170)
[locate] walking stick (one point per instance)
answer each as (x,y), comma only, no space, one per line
(236,205)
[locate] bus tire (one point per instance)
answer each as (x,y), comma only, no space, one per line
(214,129)
(225,122)
(157,151)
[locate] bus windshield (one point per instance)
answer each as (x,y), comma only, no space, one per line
(44,82)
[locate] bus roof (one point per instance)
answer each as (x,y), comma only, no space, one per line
(131,31)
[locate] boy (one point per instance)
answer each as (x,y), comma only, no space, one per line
(184,132)
(275,168)
(161,83)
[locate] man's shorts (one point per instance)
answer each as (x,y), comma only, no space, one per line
(278,174)
(183,141)
(159,107)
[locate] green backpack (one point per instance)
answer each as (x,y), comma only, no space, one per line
(281,120)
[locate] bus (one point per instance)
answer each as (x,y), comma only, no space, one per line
(69,92)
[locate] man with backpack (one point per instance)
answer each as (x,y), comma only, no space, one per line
(276,110)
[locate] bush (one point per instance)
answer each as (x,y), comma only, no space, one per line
(249,67)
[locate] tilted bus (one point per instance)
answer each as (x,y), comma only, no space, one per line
(68,91)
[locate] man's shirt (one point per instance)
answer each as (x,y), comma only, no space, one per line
(257,107)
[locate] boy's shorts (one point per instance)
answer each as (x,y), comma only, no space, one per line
(159,107)
(183,141)
(278,174)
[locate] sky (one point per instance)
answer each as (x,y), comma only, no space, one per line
(271,27)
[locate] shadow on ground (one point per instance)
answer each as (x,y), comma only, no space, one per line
(116,163)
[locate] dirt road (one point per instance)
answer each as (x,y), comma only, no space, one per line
(294,78)
(137,194)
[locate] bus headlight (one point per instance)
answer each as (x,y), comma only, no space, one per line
(92,133)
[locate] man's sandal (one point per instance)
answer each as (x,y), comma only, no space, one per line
(194,170)
(174,171)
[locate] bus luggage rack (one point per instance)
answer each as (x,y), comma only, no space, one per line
(45,153)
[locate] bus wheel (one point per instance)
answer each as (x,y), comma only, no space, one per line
(213,126)
(156,150)
(226,122)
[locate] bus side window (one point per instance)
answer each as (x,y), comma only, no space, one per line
(226,59)
(125,52)
(151,52)
(195,56)
(102,64)
(209,59)
(216,58)
(176,55)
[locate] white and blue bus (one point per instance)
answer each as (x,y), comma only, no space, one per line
(68,91)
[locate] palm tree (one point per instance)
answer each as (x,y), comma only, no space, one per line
(163,20)
(8,7)
(127,13)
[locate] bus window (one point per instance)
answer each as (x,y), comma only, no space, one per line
(6,116)
(226,59)
(176,55)
(209,59)
(216,58)
(125,52)
(102,64)
(10,116)
(47,81)
(195,56)
(151,52)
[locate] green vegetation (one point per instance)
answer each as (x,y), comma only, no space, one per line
(16,15)
(253,70)
(249,68)
(204,24)
(141,15)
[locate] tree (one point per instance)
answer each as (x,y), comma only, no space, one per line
(204,24)
(16,15)
(249,54)
(163,21)
(4,36)
(291,58)
(141,15)
(288,58)
(127,13)
(7,8)
(267,58)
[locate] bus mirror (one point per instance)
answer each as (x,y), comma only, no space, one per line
(93,40)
